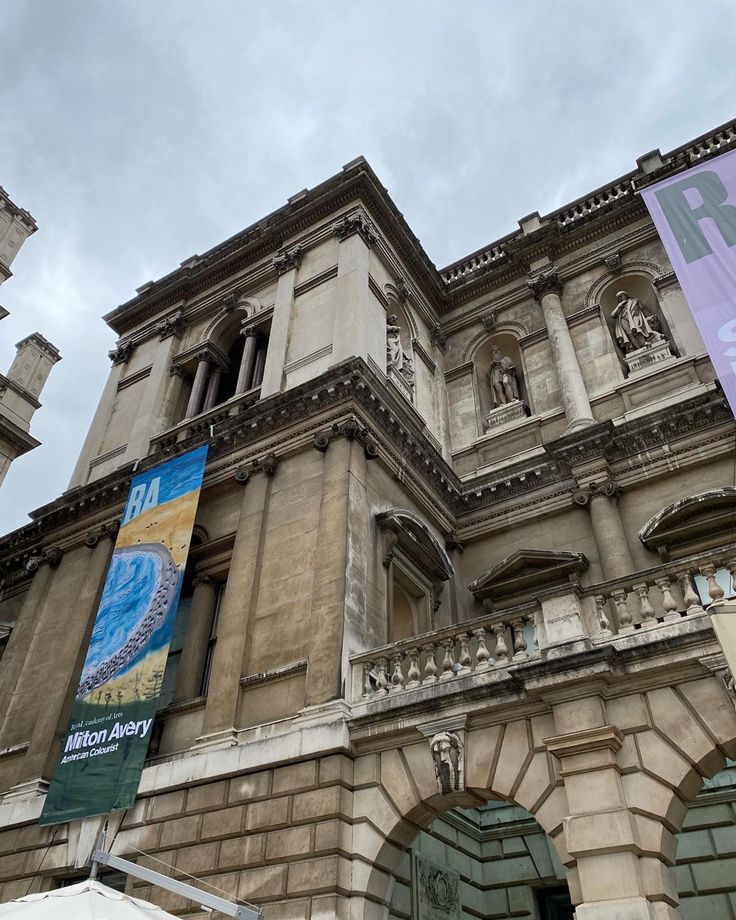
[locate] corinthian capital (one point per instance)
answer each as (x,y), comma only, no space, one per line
(287,259)
(122,352)
(355,223)
(545,283)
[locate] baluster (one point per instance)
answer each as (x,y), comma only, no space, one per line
(397,677)
(381,681)
(414,675)
(517,627)
(604,627)
(533,620)
(623,616)
(481,653)
(447,662)
(502,651)
(671,613)
(367,685)
(731,566)
(430,665)
(714,589)
(689,594)
(465,660)
(648,620)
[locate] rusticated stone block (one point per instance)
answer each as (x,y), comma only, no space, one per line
(271,813)
(166,805)
(313,876)
(180,831)
(329,802)
(708,816)
(207,797)
(335,769)
(226,822)
(716,875)
(366,770)
(295,777)
(293,909)
(263,882)
(289,842)
(249,787)
(680,726)
(332,835)
(197,860)
(242,852)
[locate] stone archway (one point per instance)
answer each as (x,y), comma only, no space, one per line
(397,796)
(607,776)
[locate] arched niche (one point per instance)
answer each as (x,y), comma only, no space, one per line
(487,408)
(400,365)
(636,284)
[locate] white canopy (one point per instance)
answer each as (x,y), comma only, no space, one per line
(88,900)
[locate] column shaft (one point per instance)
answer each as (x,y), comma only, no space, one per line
(572,388)
(610,537)
(197,636)
(56,656)
(197,395)
(259,365)
(236,610)
(245,374)
(213,386)
(21,638)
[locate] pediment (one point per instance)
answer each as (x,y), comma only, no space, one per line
(417,541)
(526,571)
(692,523)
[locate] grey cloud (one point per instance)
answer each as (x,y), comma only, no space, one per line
(139,133)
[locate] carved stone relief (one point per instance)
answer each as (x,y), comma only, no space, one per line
(437,891)
(448,754)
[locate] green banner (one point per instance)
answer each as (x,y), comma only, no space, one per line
(104,749)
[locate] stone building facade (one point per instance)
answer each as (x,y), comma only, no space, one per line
(20,389)
(443,647)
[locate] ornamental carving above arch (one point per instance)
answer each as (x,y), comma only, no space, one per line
(651,270)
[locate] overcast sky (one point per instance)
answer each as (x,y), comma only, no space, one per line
(139,133)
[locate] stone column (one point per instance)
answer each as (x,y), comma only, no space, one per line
(93,441)
(608,529)
(360,320)
(213,385)
(611,876)
(41,705)
(286,264)
(547,290)
(259,365)
(236,610)
(22,634)
(196,397)
(247,362)
(191,664)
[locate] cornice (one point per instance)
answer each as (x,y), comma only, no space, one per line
(391,431)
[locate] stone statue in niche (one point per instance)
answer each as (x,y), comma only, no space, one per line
(502,374)
(397,359)
(448,755)
(635,327)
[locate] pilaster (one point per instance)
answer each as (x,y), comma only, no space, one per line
(286,264)
(237,609)
(199,625)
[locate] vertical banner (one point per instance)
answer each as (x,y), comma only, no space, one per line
(104,749)
(695,215)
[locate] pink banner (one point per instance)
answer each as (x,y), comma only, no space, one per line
(695,215)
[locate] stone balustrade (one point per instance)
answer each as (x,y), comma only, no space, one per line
(449,654)
(644,600)
(201,423)
(662,595)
